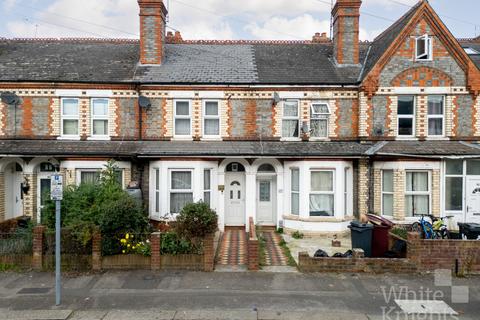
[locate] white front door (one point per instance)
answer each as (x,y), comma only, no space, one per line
(13,192)
(473,200)
(235,199)
(266,201)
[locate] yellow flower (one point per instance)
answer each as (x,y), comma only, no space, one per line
(132,236)
(126,236)
(123,251)
(128,245)
(123,241)
(133,247)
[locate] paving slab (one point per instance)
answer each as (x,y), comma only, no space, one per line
(35,314)
(140,315)
(88,315)
(216,315)
(308,315)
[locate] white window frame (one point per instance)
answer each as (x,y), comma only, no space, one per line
(189,117)
(292,191)
(464,176)
(427,56)
(171,190)
(320,116)
(383,192)
(297,118)
(157,188)
(311,192)
(70,117)
(100,117)
(436,116)
(420,193)
(408,116)
(210,190)
(99,170)
(211,117)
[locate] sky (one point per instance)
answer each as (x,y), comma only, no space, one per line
(217,19)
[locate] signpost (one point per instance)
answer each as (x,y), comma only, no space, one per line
(56,194)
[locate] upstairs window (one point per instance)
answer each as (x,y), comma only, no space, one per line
(406,116)
(423,48)
(290,122)
(182,123)
(435,115)
(70,117)
(211,119)
(319,114)
(100,117)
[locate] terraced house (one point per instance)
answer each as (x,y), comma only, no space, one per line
(302,134)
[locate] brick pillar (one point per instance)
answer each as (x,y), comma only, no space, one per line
(155,243)
(37,261)
(97,250)
(413,244)
(253,263)
(208,253)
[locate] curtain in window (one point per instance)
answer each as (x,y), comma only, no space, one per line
(319,127)
(212,127)
(182,127)
(70,127)
(321,205)
(211,108)
(290,109)
(321,181)
(417,181)
(91,177)
(181,180)
(435,127)
(182,109)
(100,127)
(435,105)
(290,128)
(179,200)
(415,204)
(387,205)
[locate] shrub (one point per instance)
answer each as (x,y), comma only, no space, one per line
(105,205)
(132,244)
(297,235)
(195,221)
(171,243)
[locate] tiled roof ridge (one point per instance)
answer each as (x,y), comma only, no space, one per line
(233,42)
(476,39)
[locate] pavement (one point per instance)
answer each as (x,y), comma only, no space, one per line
(233,295)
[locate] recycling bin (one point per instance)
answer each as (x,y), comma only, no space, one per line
(362,236)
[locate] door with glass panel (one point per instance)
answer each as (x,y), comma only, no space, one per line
(234,199)
(473,200)
(266,201)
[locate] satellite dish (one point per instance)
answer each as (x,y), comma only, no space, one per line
(276,97)
(10,98)
(144,102)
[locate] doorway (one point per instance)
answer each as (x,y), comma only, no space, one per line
(235,195)
(473,199)
(13,191)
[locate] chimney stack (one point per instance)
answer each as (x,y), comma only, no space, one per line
(346,17)
(153,15)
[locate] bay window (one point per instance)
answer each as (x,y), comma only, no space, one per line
(290,122)
(387,193)
(435,115)
(70,117)
(180,189)
(211,119)
(417,193)
(406,116)
(100,117)
(157,190)
(183,118)
(319,114)
(322,193)
(295,191)
(207,186)
(454,185)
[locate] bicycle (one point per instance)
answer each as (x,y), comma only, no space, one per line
(436,229)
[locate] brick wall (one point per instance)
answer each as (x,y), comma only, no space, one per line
(153,120)
(464,107)
(2,197)
(128,118)
(363,186)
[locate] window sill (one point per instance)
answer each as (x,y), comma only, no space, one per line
(437,138)
(180,138)
(315,219)
(69,138)
(214,138)
(406,138)
(100,138)
(290,139)
(313,139)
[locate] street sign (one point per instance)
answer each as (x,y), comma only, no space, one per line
(56,187)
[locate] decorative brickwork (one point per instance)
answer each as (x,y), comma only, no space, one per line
(422,77)
(55,117)
(84,121)
(113,117)
(399,195)
(363,115)
(197,118)
(363,193)
(421,122)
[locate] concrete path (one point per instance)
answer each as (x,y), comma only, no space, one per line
(225,295)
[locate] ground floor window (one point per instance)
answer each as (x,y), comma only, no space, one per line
(207,186)
(417,193)
(92,176)
(321,193)
(180,189)
(387,192)
(295,192)
(454,185)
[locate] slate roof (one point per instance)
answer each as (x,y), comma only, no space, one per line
(429,148)
(181,148)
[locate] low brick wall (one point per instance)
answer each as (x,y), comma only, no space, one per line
(358,263)
(23,261)
(460,256)
(252,250)
(125,262)
(192,262)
